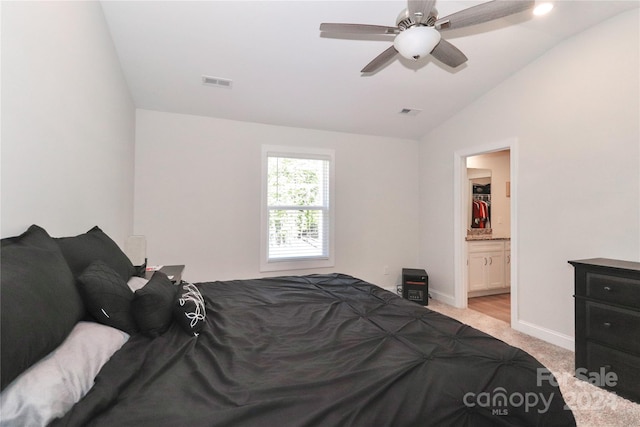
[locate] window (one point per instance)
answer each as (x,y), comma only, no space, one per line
(297,208)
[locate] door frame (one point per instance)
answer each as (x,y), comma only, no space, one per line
(460,196)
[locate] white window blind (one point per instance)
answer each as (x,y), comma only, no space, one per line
(298,207)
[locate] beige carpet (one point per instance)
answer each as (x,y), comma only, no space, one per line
(591,406)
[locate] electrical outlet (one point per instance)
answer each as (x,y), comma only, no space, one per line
(385,270)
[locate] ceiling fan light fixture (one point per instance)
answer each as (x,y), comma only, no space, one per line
(416,42)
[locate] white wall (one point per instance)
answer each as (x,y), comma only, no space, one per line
(68,122)
(68,142)
(575,115)
(197,196)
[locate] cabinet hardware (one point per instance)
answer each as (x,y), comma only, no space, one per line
(607,288)
(606,324)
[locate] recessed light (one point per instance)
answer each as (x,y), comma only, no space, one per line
(542,9)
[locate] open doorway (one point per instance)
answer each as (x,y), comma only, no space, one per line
(485,230)
(488,237)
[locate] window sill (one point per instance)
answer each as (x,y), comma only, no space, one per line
(302,264)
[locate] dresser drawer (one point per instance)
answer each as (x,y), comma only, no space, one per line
(617,290)
(624,365)
(613,326)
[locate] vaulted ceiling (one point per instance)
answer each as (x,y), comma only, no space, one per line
(285,72)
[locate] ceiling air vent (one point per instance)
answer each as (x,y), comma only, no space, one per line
(410,112)
(216,81)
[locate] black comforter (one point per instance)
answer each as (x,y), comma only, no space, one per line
(320,350)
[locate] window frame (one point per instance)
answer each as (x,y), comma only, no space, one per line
(267,264)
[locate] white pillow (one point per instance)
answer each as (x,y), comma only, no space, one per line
(136,283)
(48,389)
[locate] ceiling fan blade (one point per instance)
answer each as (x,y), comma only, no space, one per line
(448,54)
(483,13)
(420,9)
(358,28)
(380,60)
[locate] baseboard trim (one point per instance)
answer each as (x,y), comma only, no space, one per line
(488,292)
(447,299)
(537,331)
(548,335)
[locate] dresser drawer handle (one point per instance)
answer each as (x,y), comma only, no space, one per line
(606,324)
(607,288)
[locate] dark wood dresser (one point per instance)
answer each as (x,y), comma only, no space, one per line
(607,329)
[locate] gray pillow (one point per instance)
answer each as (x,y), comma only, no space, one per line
(107,296)
(152,306)
(40,303)
(49,389)
(82,250)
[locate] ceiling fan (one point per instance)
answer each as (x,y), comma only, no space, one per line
(418,30)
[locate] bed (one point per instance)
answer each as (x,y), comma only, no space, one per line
(315,350)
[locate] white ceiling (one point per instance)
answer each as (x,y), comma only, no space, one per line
(285,73)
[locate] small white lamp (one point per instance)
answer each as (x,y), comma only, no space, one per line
(417,41)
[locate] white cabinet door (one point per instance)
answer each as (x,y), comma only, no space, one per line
(486,263)
(476,271)
(495,270)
